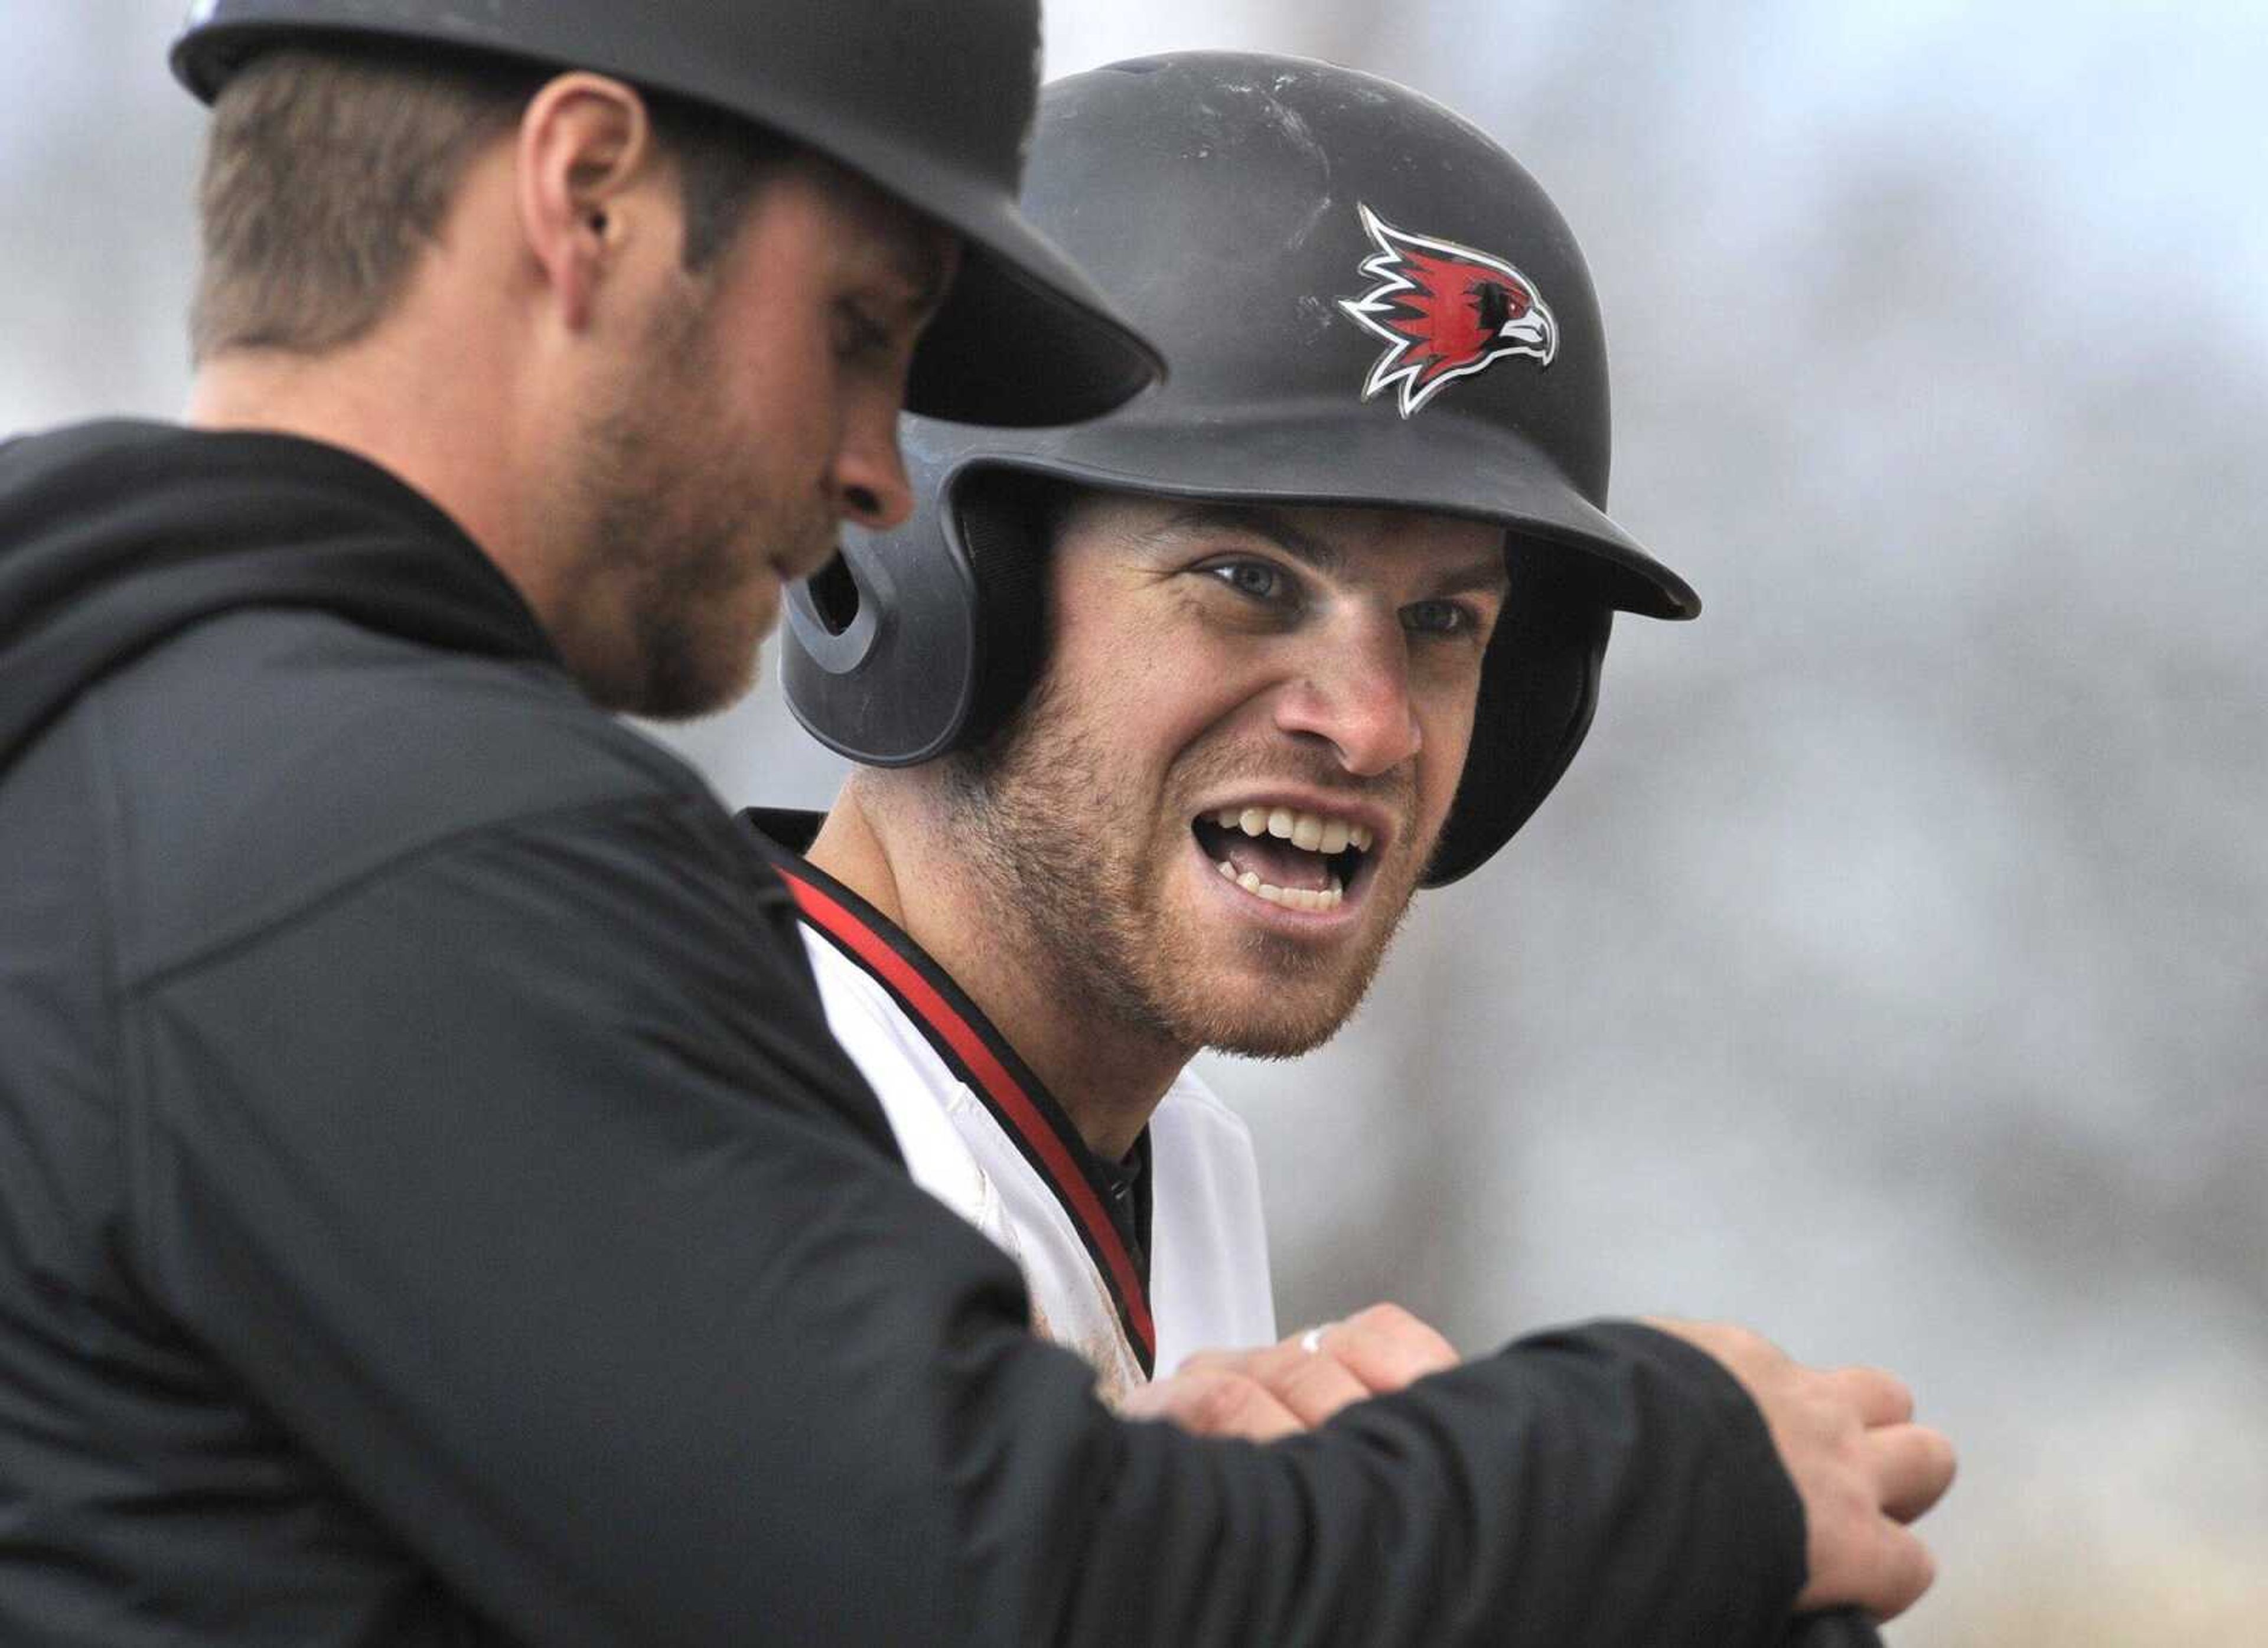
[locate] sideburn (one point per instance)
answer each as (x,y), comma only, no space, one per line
(647,552)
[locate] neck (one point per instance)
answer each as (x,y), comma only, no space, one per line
(437,418)
(1108,1080)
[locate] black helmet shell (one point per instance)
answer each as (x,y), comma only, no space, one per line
(1368,302)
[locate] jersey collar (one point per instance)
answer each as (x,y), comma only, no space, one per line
(1108,1202)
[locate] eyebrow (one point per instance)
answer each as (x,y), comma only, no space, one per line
(1251,520)
(1487,576)
(1483,573)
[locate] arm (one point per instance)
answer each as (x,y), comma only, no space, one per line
(1846,1437)
(520,1181)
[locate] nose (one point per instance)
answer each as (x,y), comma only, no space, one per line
(1354,695)
(869,477)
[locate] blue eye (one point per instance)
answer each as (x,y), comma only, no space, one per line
(1254,578)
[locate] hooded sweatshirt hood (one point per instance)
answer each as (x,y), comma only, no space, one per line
(115,536)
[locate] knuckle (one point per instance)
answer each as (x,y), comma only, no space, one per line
(1199,1397)
(1944,1461)
(1916,1572)
(1896,1396)
(1747,1339)
(1211,1403)
(1398,1344)
(1319,1389)
(1230,1395)
(1385,1318)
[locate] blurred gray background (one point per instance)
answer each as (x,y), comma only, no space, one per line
(1888,973)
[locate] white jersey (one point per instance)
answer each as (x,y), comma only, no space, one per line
(979,1132)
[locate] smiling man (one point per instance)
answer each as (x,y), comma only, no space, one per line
(1162,721)
(1199,830)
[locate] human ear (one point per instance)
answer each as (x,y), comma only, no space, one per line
(584,142)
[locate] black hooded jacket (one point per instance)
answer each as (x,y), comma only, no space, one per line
(433,1211)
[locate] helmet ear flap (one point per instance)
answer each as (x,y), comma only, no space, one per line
(913,643)
(1005,522)
(1539,689)
(878,654)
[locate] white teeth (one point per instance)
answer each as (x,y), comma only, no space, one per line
(1309,831)
(1290,898)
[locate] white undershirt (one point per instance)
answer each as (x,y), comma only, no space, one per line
(1209,1280)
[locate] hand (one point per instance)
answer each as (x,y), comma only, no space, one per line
(1860,1465)
(1296,1385)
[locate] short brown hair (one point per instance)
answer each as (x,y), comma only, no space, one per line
(328,172)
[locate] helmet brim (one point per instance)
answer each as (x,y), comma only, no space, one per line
(1363,456)
(1023,339)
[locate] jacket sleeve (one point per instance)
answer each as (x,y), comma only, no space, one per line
(519,1180)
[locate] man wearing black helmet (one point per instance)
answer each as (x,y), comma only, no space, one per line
(431,1209)
(1164,719)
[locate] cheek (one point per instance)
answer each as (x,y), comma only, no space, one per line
(1148,716)
(779,385)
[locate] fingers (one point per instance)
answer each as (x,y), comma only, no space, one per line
(1900,1570)
(1215,1401)
(1313,1374)
(1879,1398)
(1913,1466)
(1387,1348)
(1859,1550)
(1313,1384)
(1862,1467)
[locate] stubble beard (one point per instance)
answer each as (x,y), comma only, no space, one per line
(1032,810)
(663,530)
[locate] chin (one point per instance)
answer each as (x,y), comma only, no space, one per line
(1272,1012)
(1275,1036)
(694,676)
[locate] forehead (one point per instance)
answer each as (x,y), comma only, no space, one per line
(1330,536)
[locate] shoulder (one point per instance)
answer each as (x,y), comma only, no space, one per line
(865,1019)
(267,757)
(919,1091)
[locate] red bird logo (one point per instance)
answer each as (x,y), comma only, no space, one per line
(1445,311)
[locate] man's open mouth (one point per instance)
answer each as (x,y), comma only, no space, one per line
(1302,860)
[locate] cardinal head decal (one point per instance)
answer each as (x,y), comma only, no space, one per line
(1444,312)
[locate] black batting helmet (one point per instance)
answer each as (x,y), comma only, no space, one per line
(1368,303)
(931,98)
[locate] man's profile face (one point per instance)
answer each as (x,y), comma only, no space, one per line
(1213,813)
(754,409)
